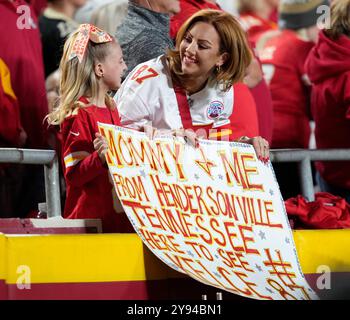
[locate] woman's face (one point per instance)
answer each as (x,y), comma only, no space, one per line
(199,50)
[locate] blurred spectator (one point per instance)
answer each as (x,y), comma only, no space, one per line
(110,16)
(283,57)
(105,14)
(11,131)
(262,97)
(11,135)
(257,17)
(144,34)
(328,67)
(21,51)
(229,6)
(38,6)
(187,9)
(55,24)
(84,13)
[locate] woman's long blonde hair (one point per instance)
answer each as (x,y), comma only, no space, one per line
(233,41)
(340,19)
(78,79)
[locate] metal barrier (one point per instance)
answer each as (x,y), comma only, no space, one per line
(304,158)
(47,158)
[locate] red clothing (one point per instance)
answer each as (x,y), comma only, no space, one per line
(188,8)
(283,59)
(256,26)
(225,132)
(244,118)
(21,51)
(10,123)
(38,6)
(326,212)
(263,101)
(328,67)
(274,16)
(89,190)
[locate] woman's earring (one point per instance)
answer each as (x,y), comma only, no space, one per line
(218,69)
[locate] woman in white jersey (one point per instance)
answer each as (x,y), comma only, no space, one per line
(191,87)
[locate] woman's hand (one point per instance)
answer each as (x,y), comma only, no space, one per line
(101,146)
(189,136)
(149,131)
(261,147)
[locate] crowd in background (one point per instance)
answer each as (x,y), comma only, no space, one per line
(299,75)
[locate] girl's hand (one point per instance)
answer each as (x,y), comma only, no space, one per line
(261,147)
(101,146)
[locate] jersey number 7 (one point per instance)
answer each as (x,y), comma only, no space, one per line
(146,73)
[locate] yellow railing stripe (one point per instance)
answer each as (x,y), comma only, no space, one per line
(83,258)
(2,256)
(122,257)
(323,247)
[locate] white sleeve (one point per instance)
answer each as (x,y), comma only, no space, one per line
(133,111)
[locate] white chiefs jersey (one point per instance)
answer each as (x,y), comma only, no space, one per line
(147,97)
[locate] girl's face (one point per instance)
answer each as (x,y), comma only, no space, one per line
(199,51)
(113,67)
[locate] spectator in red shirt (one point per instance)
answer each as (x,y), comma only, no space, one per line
(11,135)
(257,17)
(21,51)
(38,6)
(283,57)
(187,9)
(11,131)
(328,67)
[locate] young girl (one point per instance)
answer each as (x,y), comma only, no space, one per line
(92,64)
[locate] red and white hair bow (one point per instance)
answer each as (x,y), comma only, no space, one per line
(87,32)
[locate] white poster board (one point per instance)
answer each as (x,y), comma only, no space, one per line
(214,213)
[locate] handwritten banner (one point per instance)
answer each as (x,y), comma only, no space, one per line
(214,213)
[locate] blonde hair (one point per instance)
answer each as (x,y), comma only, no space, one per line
(340,19)
(233,41)
(78,79)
